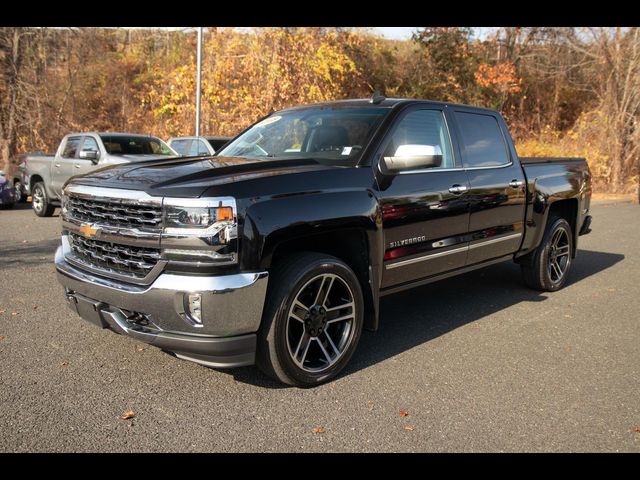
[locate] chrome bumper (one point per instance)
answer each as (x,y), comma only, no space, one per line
(231,306)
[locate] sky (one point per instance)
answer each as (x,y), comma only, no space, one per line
(404,33)
(393,33)
(396,33)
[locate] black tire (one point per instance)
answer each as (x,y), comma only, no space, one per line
(20,196)
(40,202)
(538,271)
(295,278)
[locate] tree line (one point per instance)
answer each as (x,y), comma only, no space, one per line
(563,91)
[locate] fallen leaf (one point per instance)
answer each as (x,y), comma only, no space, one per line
(408,428)
(127,415)
(637,429)
(1,337)
(24,241)
(140,348)
(404,413)
(2,311)
(567,316)
(35,307)
(64,364)
(318,430)
(14,313)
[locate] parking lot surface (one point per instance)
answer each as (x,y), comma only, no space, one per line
(473,363)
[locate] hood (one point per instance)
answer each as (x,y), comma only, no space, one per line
(115,158)
(191,177)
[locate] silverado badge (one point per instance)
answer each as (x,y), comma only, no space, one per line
(87,230)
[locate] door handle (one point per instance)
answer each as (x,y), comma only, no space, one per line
(458,188)
(77,166)
(516,183)
(57,164)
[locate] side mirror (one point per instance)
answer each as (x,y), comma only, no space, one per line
(412,157)
(89,155)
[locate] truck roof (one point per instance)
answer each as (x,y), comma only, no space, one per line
(387,102)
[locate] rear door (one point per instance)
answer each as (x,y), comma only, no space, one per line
(497,185)
(63,164)
(425,213)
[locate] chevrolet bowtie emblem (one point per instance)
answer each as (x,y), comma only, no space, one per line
(87,230)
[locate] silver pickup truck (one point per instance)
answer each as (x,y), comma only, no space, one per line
(80,153)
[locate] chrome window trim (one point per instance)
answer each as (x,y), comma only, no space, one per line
(502,165)
(457,169)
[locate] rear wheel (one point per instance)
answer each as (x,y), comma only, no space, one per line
(548,268)
(312,321)
(40,202)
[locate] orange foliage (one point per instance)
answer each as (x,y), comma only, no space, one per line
(500,77)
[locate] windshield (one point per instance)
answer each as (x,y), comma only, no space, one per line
(123,145)
(324,133)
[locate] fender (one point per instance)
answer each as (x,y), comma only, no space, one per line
(328,221)
(547,188)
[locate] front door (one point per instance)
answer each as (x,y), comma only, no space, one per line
(85,165)
(62,167)
(497,186)
(425,212)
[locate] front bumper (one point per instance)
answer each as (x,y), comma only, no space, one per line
(155,314)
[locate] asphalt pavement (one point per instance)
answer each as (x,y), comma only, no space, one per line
(473,363)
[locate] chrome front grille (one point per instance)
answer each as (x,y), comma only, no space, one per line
(126,260)
(114,212)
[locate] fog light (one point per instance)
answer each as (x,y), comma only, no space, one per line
(194,308)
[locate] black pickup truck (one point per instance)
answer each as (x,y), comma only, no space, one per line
(277,250)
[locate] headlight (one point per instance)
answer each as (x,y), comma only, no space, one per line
(64,200)
(196,218)
(200,230)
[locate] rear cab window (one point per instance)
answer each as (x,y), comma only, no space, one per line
(481,140)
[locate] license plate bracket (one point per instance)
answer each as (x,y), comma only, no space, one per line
(89,310)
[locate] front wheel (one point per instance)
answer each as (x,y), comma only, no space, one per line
(312,320)
(40,202)
(548,268)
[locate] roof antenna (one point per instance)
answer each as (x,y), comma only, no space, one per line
(377,97)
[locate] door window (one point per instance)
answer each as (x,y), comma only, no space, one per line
(90,145)
(181,146)
(202,148)
(71,147)
(422,131)
(482,140)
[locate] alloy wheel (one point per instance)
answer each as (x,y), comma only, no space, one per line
(559,255)
(38,199)
(320,323)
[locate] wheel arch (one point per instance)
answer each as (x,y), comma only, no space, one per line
(351,245)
